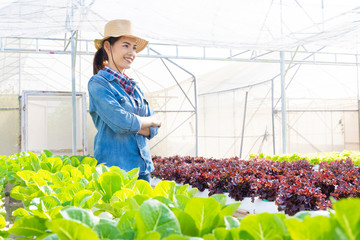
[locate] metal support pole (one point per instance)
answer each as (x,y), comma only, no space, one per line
(358,94)
(283,104)
(23,128)
(272,114)
(359,120)
(243,127)
(19,62)
(84,121)
(73,58)
(196,119)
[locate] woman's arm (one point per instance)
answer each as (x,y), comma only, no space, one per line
(150,121)
(146,123)
(153,131)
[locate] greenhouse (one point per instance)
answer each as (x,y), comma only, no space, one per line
(259,104)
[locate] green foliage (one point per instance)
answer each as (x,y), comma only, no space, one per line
(63,197)
(264,226)
(347,218)
(165,189)
(205,212)
(28,226)
(187,224)
(86,199)
(127,225)
(231,222)
(89,161)
(155,216)
(143,187)
(51,164)
(110,183)
(107,231)
(313,158)
(80,215)
(311,228)
(71,230)
(180,201)
(2,222)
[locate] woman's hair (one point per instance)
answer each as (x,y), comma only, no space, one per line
(101,55)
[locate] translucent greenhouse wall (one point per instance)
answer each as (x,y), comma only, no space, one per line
(46,122)
(9,124)
(322,104)
(223,132)
(322,114)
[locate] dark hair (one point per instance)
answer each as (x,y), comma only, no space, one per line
(101,55)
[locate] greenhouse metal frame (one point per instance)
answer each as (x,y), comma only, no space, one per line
(310,59)
(292,58)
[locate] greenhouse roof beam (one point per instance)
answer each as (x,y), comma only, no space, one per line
(176,51)
(315,110)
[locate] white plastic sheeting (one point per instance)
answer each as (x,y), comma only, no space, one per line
(261,24)
(322,110)
(47,124)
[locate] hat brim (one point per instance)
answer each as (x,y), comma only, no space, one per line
(140,43)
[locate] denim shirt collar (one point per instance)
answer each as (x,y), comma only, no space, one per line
(108,76)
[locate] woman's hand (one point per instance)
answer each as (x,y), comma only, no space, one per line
(150,121)
(145,132)
(146,123)
(155,121)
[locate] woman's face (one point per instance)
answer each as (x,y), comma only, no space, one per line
(121,54)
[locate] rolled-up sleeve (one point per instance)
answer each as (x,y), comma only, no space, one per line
(110,111)
(153,130)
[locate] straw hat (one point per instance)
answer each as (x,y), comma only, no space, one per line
(117,28)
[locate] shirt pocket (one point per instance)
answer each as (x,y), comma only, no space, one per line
(126,104)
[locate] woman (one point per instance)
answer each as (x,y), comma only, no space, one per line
(118,108)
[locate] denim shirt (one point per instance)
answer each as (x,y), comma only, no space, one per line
(114,114)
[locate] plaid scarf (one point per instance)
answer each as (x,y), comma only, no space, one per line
(127,83)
